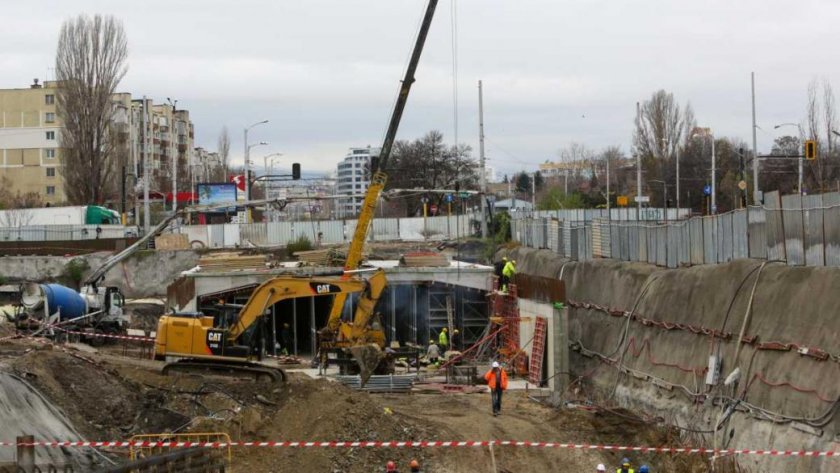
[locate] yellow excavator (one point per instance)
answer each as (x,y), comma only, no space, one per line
(195,342)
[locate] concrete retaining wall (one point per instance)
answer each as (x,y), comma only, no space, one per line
(791,305)
(145,274)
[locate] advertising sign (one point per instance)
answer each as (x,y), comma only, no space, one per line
(215,193)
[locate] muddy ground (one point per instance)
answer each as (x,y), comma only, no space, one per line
(109,396)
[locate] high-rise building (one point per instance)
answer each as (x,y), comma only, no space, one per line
(352,180)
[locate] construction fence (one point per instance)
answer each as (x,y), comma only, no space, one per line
(799,230)
(66,232)
(327,231)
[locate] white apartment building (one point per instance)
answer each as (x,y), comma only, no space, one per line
(352,180)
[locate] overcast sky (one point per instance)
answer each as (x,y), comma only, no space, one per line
(325,72)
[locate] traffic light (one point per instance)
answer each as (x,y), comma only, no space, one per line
(295,171)
(810,150)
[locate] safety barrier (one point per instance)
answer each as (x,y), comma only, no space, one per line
(426,444)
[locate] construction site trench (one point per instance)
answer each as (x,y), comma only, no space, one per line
(114,392)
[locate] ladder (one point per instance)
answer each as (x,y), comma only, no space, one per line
(537,351)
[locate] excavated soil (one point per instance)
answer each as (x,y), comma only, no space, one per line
(110,397)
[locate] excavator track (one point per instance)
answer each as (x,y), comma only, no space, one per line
(244,369)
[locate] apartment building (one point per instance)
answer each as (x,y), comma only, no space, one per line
(30,156)
(352,180)
(30,141)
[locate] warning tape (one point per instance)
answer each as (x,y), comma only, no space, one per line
(429,444)
(105,335)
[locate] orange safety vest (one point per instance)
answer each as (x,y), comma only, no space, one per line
(490,377)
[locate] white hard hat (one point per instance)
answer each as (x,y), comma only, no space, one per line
(600,467)
(495,364)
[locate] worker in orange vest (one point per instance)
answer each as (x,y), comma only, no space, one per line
(497,380)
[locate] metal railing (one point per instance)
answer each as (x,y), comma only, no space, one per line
(800,230)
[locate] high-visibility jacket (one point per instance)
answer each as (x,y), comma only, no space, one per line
(622,470)
(443,339)
(509,269)
(490,377)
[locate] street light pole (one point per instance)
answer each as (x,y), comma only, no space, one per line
(248,168)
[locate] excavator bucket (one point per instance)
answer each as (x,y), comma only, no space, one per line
(368,357)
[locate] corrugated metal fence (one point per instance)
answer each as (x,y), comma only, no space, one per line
(800,230)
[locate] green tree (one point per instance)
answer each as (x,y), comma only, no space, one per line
(555,199)
(523,183)
(539,182)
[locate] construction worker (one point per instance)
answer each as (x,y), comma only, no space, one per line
(433,352)
(508,273)
(414,466)
(443,339)
(391,467)
(497,381)
(625,467)
(286,338)
(497,269)
(455,339)
(601,467)
(644,469)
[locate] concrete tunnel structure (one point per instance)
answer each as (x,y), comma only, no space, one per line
(413,306)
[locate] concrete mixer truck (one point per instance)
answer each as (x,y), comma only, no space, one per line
(51,309)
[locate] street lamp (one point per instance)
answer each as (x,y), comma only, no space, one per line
(677,161)
(801,136)
(248,166)
(713,209)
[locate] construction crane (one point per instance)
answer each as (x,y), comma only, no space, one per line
(195,342)
(333,336)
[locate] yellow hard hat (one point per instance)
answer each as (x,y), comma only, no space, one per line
(455,331)
(504,258)
(444,329)
(431,341)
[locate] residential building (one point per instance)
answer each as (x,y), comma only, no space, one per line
(30,156)
(204,163)
(352,180)
(566,168)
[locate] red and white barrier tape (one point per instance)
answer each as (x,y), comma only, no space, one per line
(105,335)
(429,444)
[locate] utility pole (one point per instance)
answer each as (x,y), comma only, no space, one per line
(534,191)
(714,170)
(133,139)
(638,168)
(609,217)
(147,218)
(756,191)
(483,175)
(677,159)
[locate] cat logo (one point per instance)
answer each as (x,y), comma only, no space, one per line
(324,288)
(214,337)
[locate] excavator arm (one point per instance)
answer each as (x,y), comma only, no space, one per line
(282,288)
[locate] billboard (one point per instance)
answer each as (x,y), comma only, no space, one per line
(215,193)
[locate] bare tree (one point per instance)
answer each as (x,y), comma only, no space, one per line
(223,148)
(662,126)
(90,63)
(829,115)
(18,205)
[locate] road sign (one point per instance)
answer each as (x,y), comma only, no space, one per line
(643,199)
(465,195)
(707,189)
(621,200)
(742,184)
(433,209)
(449,197)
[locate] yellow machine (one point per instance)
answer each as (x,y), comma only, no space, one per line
(197,342)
